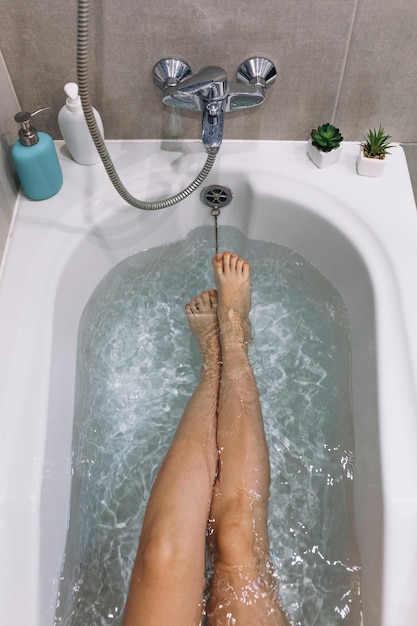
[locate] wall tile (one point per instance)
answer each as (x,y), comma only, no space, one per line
(306,39)
(8,133)
(379,85)
(366,74)
(411,155)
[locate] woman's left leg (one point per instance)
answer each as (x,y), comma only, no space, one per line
(168,581)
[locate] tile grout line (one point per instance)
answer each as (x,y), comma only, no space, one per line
(345,58)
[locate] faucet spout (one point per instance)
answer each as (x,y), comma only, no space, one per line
(209,88)
(212,126)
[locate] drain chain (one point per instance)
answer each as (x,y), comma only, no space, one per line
(216,230)
(216,197)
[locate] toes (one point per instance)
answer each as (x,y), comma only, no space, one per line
(234,259)
(239,265)
(205,297)
(224,263)
(229,263)
(243,267)
(205,301)
(218,261)
(213,300)
(213,296)
(192,307)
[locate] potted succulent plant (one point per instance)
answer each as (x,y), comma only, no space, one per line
(373,149)
(324,145)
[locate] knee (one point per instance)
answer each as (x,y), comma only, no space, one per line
(235,534)
(157,555)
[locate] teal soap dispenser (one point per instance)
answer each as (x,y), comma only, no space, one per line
(36,160)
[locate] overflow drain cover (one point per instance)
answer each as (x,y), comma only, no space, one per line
(216,196)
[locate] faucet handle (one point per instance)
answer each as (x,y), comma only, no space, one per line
(243,96)
(257,71)
(170,71)
(210,83)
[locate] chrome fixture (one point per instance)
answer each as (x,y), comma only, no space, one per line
(216,197)
(209,91)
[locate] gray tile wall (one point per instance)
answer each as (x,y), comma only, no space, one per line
(8,184)
(351,62)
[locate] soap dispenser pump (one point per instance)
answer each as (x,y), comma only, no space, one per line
(74,129)
(36,160)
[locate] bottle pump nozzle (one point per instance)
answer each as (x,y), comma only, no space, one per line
(73,101)
(28,135)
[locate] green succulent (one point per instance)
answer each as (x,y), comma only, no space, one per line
(376,144)
(326,138)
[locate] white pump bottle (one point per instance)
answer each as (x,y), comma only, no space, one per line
(74,128)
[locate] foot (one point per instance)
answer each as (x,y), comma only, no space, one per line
(202,317)
(233,282)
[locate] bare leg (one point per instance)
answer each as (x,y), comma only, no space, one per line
(242,586)
(168,577)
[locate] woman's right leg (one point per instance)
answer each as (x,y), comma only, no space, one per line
(168,577)
(242,586)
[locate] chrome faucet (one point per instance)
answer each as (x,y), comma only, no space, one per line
(210,92)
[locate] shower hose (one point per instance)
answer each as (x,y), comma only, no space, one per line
(82,73)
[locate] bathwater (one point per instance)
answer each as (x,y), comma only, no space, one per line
(137,367)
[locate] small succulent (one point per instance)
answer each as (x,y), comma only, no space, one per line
(376,144)
(326,138)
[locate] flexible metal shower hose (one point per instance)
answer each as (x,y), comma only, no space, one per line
(82,72)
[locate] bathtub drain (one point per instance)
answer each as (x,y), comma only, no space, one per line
(216,197)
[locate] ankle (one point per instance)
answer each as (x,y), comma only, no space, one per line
(234,329)
(234,346)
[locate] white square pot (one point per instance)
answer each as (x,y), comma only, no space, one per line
(369,167)
(322,159)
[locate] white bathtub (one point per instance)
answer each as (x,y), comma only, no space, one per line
(360,232)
